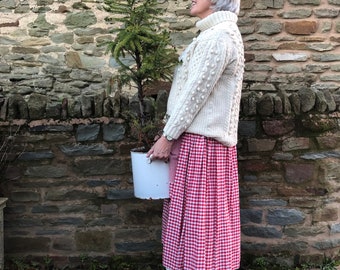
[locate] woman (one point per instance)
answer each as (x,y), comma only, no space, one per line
(201,223)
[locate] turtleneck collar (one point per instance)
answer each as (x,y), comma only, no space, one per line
(216,18)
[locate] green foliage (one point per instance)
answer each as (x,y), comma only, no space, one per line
(271,262)
(142,39)
(153,123)
(261,263)
(19,264)
(330,264)
(8,153)
(151,262)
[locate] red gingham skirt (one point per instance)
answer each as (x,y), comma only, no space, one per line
(201,220)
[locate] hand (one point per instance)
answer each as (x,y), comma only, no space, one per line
(160,150)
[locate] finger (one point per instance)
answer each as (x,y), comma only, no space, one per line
(148,154)
(150,158)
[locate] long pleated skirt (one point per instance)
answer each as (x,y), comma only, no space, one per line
(201,220)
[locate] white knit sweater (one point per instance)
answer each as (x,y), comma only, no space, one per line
(206,90)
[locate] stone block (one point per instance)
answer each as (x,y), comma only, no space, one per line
(307,98)
(282,156)
(120,194)
(295,143)
(27,245)
(94,241)
(278,105)
(295,102)
(262,232)
(41,155)
(24,223)
(109,209)
(249,103)
(267,202)
(247,4)
(37,105)
(293,57)
(50,232)
(146,215)
(69,195)
(291,248)
(132,234)
(78,208)
(327,244)
(299,173)
(99,183)
(329,100)
(255,190)
(80,19)
(5,68)
(326,57)
(318,123)
(53,110)
(321,155)
(17,107)
(285,217)
(305,202)
(297,14)
(335,228)
(87,132)
(47,171)
(251,216)
(278,127)
(147,246)
(51,128)
(45,209)
(270,27)
(249,178)
(105,221)
(255,166)
(254,247)
(270,177)
(113,132)
(326,214)
(85,150)
(305,231)
(17,209)
(63,244)
(70,221)
(103,166)
(301,27)
(265,105)
(262,145)
(292,191)
(25,196)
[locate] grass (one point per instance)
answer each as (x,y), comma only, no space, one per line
(152,262)
(85,262)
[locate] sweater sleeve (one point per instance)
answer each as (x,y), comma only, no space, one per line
(204,67)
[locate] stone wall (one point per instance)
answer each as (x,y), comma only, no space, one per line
(289,178)
(70,191)
(51,54)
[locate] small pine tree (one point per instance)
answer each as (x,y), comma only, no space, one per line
(141,38)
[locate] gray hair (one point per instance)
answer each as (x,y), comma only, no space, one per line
(228,5)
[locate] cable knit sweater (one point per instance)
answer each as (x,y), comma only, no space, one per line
(206,90)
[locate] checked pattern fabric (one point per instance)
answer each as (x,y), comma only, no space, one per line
(201,220)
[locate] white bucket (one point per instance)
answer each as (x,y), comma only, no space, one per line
(150,180)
